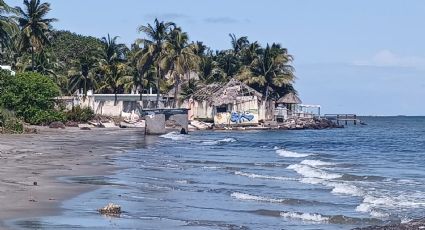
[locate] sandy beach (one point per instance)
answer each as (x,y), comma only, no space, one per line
(31,167)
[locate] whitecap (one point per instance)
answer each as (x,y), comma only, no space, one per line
(221,141)
(346,189)
(308,171)
(316,163)
(255,176)
(305,216)
(173,136)
(244,196)
(286,153)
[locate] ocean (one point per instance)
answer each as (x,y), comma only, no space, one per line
(305,179)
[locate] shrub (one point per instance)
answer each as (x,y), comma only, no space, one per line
(9,123)
(80,114)
(31,96)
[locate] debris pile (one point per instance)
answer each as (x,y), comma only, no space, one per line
(111,209)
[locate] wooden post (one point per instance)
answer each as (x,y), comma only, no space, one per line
(355,119)
(346,119)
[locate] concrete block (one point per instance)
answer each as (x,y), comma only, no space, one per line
(180,121)
(155,124)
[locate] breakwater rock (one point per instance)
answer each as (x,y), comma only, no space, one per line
(411,225)
(309,123)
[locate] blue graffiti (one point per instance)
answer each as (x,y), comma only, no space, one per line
(241,117)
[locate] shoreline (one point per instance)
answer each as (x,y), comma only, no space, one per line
(33,164)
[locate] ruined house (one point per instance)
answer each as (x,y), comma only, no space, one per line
(231,103)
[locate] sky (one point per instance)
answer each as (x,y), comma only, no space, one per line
(355,56)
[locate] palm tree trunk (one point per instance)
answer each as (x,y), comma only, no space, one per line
(85,88)
(267,100)
(141,88)
(32,59)
(157,87)
(176,89)
(116,96)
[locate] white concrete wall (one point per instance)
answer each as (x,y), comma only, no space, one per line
(104,104)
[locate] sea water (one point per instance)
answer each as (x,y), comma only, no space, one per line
(307,179)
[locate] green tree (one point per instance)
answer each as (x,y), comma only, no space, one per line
(270,69)
(7,28)
(180,58)
(76,52)
(113,66)
(31,96)
(35,27)
(82,75)
(153,52)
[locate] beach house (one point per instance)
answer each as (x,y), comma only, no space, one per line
(231,103)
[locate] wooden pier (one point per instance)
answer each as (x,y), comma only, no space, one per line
(344,118)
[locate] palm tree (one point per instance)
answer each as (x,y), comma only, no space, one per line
(83,74)
(45,64)
(180,58)
(270,69)
(35,28)
(113,65)
(238,44)
(7,26)
(153,51)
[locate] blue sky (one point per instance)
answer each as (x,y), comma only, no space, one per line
(365,57)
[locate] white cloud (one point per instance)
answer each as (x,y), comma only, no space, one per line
(386,58)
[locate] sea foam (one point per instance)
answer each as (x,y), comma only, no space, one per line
(219,142)
(286,153)
(173,136)
(305,216)
(244,196)
(308,171)
(316,163)
(255,176)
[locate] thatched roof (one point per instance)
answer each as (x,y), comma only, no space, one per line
(225,93)
(289,98)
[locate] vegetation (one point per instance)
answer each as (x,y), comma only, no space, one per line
(9,123)
(31,96)
(79,114)
(164,59)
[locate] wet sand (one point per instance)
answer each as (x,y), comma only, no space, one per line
(31,166)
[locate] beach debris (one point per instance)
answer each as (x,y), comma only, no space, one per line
(32,200)
(34,183)
(200,125)
(107,125)
(111,209)
(85,128)
(56,125)
(81,126)
(30,130)
(71,124)
(138,124)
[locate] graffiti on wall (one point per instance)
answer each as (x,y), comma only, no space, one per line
(234,118)
(238,117)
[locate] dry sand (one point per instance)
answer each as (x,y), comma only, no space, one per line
(44,157)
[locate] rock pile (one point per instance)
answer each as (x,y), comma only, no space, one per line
(309,123)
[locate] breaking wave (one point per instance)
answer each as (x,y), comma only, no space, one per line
(244,196)
(286,153)
(219,142)
(305,216)
(175,136)
(310,172)
(255,176)
(316,163)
